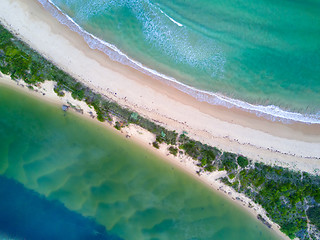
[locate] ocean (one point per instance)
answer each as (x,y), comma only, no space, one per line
(65,177)
(261,56)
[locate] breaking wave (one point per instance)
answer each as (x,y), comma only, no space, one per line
(270,112)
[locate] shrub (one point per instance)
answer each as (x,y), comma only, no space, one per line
(314,216)
(100,117)
(117,126)
(242,161)
(155,144)
(58,91)
(231,176)
(173,150)
(210,168)
(226,181)
(134,117)
(159,139)
(229,161)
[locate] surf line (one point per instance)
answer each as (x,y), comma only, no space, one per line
(270,112)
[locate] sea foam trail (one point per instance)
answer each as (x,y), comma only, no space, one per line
(171,19)
(270,112)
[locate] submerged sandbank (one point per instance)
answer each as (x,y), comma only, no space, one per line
(80,174)
(45,92)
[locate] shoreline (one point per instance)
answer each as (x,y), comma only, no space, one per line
(295,146)
(143,138)
(270,112)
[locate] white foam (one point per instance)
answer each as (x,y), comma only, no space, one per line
(174,21)
(271,112)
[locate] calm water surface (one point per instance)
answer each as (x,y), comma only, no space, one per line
(59,166)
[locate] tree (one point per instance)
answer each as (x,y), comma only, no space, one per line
(314,216)
(155,144)
(242,161)
(173,150)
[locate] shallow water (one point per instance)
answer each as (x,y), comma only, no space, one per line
(262,52)
(97,174)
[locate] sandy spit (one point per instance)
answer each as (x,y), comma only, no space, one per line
(296,145)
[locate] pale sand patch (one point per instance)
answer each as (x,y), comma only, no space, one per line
(144,138)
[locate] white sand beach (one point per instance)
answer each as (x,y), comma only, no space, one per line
(293,145)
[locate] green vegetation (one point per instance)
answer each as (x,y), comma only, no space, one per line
(118,126)
(229,161)
(314,215)
(173,150)
(287,196)
(155,144)
(59,91)
(198,151)
(242,161)
(21,62)
(231,176)
(284,194)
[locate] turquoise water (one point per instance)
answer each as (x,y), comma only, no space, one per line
(263,52)
(64,167)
